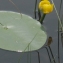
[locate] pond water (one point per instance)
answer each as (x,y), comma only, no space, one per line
(50,24)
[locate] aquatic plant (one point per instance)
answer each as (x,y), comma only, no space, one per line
(46,7)
(22,33)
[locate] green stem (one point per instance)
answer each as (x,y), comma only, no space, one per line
(15,7)
(58,16)
(62,38)
(38,56)
(48,54)
(58,43)
(59,32)
(35,8)
(42,18)
(27,47)
(28,55)
(52,54)
(39,14)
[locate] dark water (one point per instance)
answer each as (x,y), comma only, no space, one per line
(50,24)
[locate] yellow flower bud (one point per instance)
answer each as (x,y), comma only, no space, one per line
(46,6)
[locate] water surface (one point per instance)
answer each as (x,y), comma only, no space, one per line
(50,24)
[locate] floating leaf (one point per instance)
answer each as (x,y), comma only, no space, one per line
(18,32)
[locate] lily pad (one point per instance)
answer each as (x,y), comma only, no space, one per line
(18,31)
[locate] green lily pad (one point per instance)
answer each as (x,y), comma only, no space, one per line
(18,31)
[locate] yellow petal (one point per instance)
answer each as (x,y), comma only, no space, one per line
(47,8)
(42,3)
